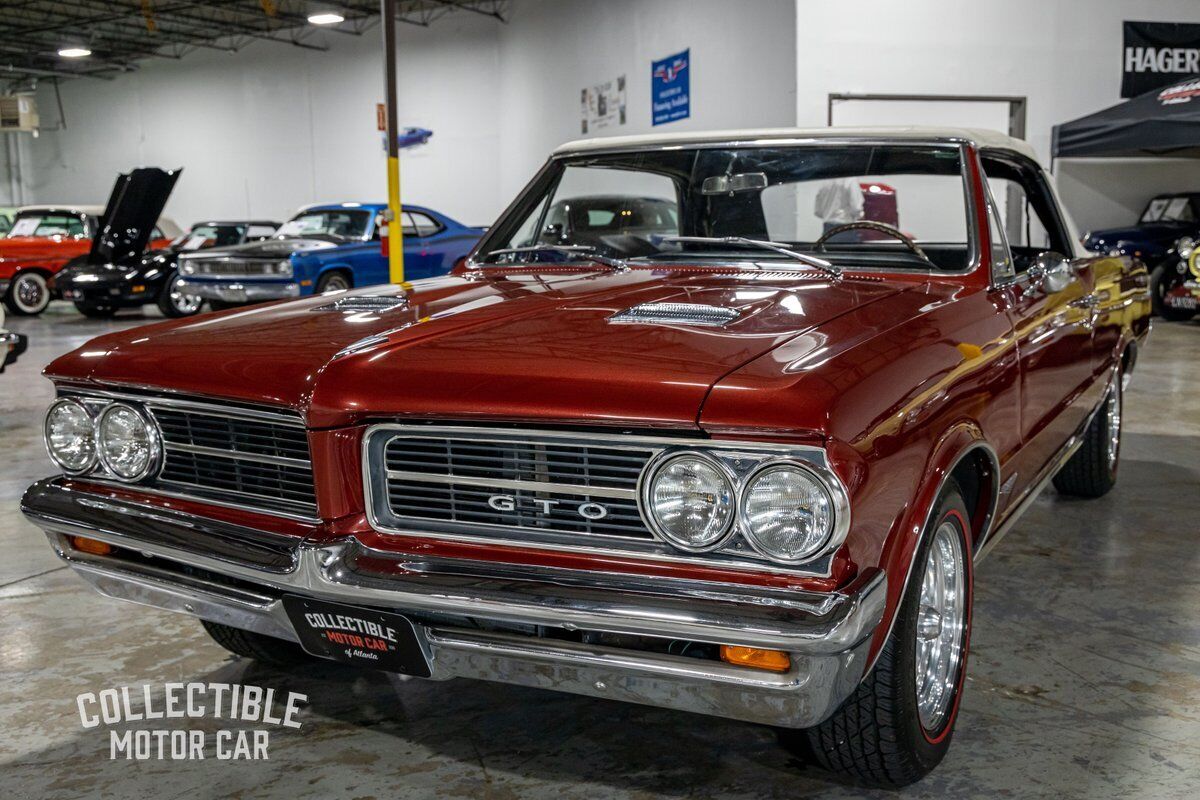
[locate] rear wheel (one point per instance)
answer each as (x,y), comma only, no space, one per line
(1092,471)
(174,303)
(95,310)
(1165,277)
(896,726)
(267,649)
(28,294)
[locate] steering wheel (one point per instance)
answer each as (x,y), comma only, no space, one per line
(868,225)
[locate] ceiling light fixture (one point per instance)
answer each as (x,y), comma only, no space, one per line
(74,52)
(326,18)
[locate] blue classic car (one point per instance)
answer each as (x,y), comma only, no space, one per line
(324,248)
(1166,218)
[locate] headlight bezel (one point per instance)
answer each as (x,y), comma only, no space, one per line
(153,462)
(646,503)
(742,466)
(94,459)
(822,484)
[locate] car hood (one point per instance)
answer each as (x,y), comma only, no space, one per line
(136,201)
(508,346)
(1159,232)
(266,249)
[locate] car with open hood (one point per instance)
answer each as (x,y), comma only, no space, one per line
(44,238)
(101,289)
(744,466)
(323,248)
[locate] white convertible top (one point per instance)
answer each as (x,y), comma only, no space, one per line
(980,137)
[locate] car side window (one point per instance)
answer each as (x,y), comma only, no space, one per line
(419,224)
(1026,209)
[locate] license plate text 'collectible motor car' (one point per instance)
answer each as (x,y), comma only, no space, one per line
(740,460)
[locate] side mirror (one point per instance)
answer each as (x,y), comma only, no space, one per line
(1049,273)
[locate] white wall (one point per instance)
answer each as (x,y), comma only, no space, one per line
(1063,55)
(271,127)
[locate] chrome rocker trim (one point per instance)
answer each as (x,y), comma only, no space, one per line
(827,634)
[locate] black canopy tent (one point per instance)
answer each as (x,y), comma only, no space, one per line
(1163,122)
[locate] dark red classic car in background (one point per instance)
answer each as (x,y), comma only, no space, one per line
(744,469)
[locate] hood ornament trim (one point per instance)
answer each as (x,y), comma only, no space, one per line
(676,314)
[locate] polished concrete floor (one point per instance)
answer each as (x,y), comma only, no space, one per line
(1084,675)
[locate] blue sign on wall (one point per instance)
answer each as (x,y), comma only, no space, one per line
(670,89)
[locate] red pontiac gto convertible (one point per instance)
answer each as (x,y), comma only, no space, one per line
(742,466)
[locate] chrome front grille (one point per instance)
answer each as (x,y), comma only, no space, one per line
(231,268)
(256,459)
(555,490)
(534,485)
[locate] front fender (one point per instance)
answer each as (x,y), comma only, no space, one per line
(960,443)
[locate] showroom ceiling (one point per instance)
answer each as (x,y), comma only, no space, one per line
(39,37)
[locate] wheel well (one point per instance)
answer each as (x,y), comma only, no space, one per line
(343,271)
(977,476)
(1129,358)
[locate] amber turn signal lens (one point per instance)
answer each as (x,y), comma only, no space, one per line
(772,660)
(90,546)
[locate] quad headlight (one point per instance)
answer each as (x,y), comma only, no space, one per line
(127,442)
(70,436)
(1184,246)
(284,268)
(786,510)
(690,502)
(120,438)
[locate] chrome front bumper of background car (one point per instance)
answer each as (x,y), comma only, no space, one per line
(238,291)
(237,576)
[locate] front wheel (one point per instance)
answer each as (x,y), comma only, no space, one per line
(173,303)
(333,282)
(267,649)
(1092,471)
(28,294)
(896,726)
(1165,277)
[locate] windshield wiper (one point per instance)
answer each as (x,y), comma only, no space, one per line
(588,253)
(811,261)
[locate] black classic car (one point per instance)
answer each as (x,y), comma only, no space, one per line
(101,289)
(1165,219)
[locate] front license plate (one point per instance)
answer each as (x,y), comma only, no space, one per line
(357,636)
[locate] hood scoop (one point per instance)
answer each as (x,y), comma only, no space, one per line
(676,314)
(372,303)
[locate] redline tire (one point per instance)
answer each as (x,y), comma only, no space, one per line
(877,737)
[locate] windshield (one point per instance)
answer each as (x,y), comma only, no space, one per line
(1169,209)
(43,224)
(633,205)
(208,235)
(342,223)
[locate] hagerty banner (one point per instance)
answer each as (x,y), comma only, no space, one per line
(1157,54)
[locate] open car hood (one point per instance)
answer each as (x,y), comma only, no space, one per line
(136,202)
(508,346)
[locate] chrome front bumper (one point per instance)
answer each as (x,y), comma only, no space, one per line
(239,291)
(237,576)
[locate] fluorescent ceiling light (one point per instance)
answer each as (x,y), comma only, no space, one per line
(326,18)
(74,52)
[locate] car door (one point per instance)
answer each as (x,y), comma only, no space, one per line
(422,259)
(1053,316)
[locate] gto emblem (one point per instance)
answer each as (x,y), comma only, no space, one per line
(507,502)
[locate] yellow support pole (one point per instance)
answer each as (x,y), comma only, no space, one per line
(395,229)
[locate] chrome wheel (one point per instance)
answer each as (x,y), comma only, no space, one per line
(30,294)
(1112,410)
(335,283)
(941,623)
(185,304)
